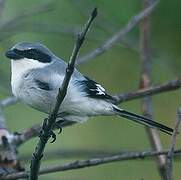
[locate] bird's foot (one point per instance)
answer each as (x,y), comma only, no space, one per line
(53,136)
(58,126)
(45,133)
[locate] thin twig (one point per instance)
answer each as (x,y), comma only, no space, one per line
(49,123)
(172,147)
(149,91)
(116,37)
(145,81)
(91,162)
(169,86)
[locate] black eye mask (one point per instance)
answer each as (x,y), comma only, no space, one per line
(33,54)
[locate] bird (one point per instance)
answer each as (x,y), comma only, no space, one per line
(37,74)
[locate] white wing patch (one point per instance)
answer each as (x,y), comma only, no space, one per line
(100,90)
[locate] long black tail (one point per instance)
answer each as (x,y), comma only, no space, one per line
(142,120)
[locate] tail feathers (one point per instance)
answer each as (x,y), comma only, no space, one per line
(143,120)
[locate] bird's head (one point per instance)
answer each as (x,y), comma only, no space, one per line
(25,51)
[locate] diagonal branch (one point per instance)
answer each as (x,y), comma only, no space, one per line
(172,147)
(119,35)
(92,162)
(46,131)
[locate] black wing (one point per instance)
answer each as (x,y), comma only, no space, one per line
(94,90)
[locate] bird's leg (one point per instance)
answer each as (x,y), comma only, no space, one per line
(60,123)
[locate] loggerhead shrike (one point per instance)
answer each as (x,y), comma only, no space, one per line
(37,74)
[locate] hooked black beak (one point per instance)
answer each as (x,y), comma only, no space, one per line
(12,55)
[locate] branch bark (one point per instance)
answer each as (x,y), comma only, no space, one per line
(47,128)
(91,162)
(170,154)
(145,82)
(148,91)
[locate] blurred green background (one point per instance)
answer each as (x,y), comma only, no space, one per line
(118,70)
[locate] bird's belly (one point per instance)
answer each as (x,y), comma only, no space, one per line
(86,106)
(75,105)
(37,99)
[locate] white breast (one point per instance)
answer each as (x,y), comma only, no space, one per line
(18,69)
